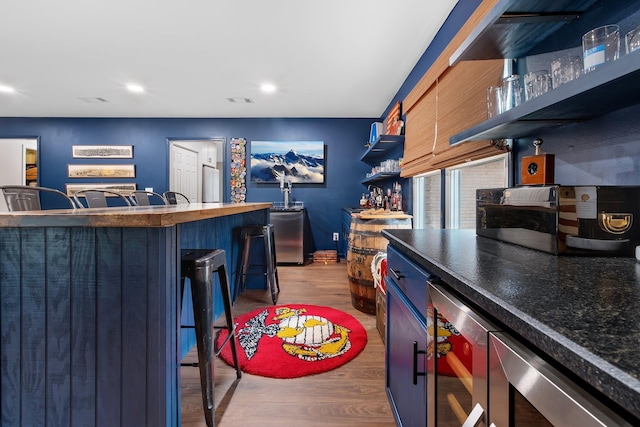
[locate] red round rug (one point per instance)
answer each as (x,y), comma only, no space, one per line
(294,340)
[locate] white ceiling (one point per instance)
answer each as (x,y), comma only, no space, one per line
(328,58)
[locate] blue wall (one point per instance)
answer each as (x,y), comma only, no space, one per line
(344,140)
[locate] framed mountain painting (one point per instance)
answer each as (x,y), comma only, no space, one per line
(300,162)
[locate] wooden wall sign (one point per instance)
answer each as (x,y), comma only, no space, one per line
(393,123)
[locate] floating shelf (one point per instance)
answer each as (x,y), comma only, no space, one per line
(513,27)
(611,87)
(381,177)
(381,148)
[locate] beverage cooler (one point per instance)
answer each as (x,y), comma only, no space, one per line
(487,378)
(458,372)
(289,229)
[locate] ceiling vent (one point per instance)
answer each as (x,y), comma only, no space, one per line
(240,100)
(93,100)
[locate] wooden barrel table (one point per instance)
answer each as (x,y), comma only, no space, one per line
(365,241)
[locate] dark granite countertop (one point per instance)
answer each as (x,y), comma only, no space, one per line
(581,312)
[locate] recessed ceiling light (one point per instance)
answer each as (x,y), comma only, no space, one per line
(268,88)
(136,88)
(7,89)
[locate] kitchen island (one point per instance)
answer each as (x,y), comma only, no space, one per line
(578,313)
(89,309)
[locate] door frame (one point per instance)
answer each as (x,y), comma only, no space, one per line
(219,143)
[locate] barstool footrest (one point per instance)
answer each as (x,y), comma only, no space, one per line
(217,349)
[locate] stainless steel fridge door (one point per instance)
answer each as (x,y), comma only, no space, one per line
(288,230)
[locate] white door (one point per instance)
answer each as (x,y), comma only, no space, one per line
(183,176)
(12,162)
(210,184)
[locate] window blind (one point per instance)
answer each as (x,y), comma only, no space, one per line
(446,101)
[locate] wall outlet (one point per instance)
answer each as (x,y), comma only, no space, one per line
(336,237)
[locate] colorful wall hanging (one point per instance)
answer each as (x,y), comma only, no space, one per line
(238,170)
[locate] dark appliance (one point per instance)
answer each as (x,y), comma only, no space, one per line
(494,380)
(572,220)
(457,350)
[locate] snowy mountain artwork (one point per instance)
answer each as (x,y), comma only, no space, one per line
(301,162)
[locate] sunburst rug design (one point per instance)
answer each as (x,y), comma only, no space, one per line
(294,340)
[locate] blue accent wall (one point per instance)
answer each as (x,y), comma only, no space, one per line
(344,145)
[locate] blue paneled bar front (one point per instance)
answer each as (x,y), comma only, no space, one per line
(89,310)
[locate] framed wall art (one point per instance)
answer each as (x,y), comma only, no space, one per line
(123,188)
(301,162)
(102,151)
(101,171)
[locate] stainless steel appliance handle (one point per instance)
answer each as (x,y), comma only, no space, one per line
(416,352)
(396,275)
(475,416)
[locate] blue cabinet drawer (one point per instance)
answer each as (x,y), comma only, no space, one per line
(409,279)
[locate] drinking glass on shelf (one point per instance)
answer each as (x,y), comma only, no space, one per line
(565,69)
(600,45)
(558,73)
(632,40)
(536,83)
(511,92)
(494,101)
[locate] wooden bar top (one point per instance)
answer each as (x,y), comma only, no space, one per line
(127,216)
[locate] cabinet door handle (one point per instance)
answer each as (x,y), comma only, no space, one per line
(396,274)
(416,352)
(475,416)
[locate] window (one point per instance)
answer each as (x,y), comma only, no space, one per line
(427,193)
(461,183)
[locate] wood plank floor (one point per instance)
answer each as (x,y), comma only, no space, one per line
(351,395)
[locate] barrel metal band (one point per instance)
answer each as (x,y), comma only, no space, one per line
(363,282)
(364,251)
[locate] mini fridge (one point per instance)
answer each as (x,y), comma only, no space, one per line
(289,235)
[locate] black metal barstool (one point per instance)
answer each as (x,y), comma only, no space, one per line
(199,265)
(270,269)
